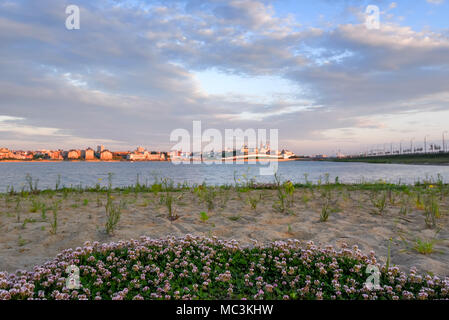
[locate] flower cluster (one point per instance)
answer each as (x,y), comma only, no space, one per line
(208,268)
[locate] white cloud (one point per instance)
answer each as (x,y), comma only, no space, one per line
(127,77)
(437,2)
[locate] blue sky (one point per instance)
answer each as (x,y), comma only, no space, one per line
(136,70)
(416,14)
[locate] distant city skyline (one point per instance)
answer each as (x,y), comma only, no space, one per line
(137,70)
(404,146)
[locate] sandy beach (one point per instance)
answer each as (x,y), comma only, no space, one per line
(81,217)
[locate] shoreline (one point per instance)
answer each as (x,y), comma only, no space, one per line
(187,162)
(441,159)
(262,161)
(404,163)
(58,161)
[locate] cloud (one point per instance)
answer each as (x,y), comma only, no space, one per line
(437,2)
(127,77)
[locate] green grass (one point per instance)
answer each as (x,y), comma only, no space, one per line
(54,222)
(35,206)
(210,192)
(379,201)
(203,216)
(325,211)
(425,246)
(21,242)
(113,214)
(254,201)
(435,158)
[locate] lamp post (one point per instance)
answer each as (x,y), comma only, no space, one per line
(425,143)
(400,147)
(411,146)
(444,142)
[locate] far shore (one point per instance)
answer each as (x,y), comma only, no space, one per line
(406,163)
(424,159)
(57,161)
(262,161)
(98,160)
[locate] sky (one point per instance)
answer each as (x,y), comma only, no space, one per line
(137,70)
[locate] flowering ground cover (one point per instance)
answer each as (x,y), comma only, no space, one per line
(207,268)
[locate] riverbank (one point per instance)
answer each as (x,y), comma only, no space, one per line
(419,159)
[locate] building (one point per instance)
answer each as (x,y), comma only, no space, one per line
(100,149)
(21,156)
(286,154)
(140,154)
(244,149)
(341,155)
(146,156)
(135,156)
(156,156)
(53,155)
(16,155)
(175,155)
(264,149)
(88,154)
(106,155)
(74,154)
(120,155)
(5,153)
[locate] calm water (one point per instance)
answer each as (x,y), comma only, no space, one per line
(125,173)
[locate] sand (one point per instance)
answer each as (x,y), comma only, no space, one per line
(82,217)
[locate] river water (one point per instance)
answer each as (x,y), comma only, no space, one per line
(125,173)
